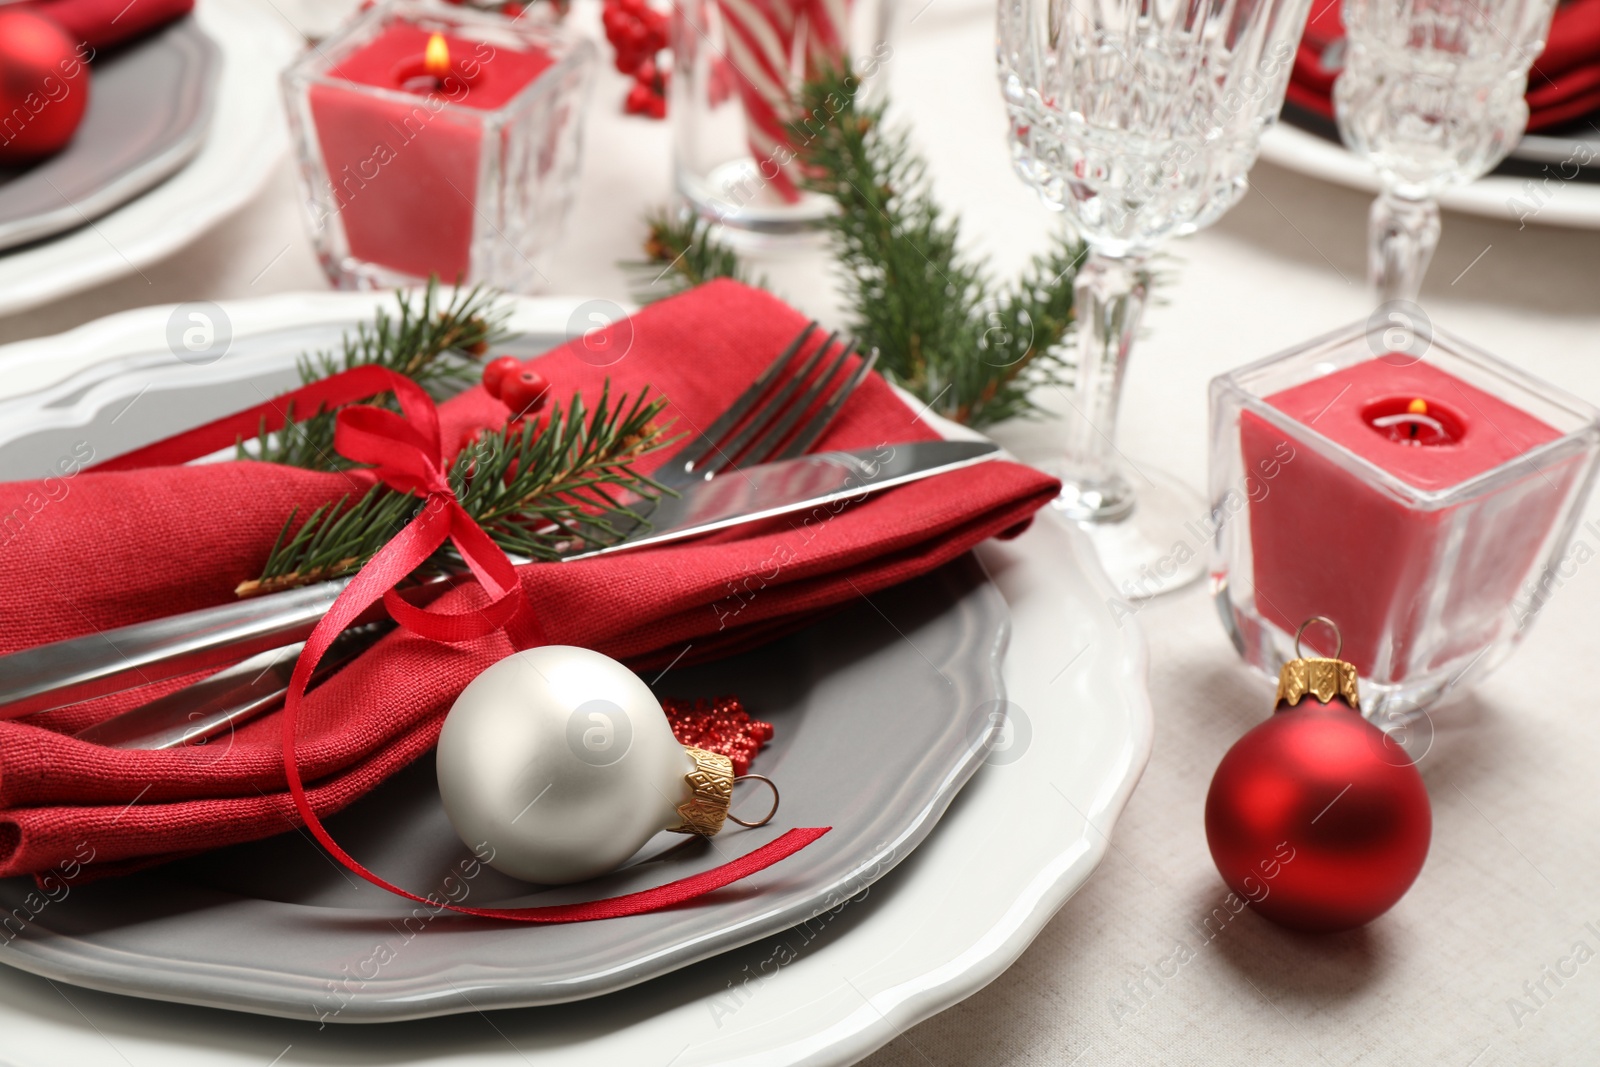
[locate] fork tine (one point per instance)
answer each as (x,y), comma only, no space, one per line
(813,429)
(697,449)
(770,411)
(764,449)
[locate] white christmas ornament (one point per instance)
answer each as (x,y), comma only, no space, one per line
(561,761)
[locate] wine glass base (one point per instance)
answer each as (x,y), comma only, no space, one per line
(1162,545)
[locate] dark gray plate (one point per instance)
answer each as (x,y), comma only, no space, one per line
(149,106)
(1537,155)
(881,716)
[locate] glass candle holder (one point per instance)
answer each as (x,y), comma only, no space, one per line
(438,140)
(1423,498)
(736,70)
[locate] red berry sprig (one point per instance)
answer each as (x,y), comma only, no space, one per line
(519,387)
(648,94)
(495,371)
(516,385)
(638,32)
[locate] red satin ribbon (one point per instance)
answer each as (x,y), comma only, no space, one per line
(406,454)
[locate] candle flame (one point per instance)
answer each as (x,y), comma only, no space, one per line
(1418,406)
(436,58)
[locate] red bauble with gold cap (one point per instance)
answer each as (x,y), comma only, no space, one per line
(1317,817)
(44,87)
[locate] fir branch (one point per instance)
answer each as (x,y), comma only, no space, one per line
(537,490)
(681,251)
(435,342)
(969,347)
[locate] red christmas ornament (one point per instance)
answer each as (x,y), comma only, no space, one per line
(1317,817)
(44,87)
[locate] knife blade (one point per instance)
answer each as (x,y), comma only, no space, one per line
(769,490)
(67,672)
(196,713)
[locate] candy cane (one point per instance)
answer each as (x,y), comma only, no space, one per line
(829,36)
(760,41)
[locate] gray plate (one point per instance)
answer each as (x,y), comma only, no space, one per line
(149,106)
(881,716)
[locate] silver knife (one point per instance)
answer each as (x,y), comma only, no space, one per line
(196,713)
(67,672)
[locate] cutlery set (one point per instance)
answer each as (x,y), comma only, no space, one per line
(751,464)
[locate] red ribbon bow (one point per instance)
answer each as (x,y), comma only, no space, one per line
(407,455)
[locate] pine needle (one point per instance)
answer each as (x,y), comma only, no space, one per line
(681,252)
(538,491)
(971,348)
(436,344)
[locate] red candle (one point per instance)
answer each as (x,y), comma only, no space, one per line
(404,164)
(1412,585)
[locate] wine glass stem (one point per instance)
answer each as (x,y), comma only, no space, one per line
(1402,233)
(1109,294)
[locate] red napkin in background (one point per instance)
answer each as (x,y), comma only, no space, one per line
(1564,84)
(104,24)
(105,549)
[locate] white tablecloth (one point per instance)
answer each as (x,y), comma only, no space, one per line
(1510,883)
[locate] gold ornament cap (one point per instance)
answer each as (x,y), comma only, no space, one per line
(711,795)
(1321,676)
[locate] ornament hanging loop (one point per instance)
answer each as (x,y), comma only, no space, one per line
(770,813)
(1330,624)
(1323,677)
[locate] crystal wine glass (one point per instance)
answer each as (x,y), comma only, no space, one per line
(1139,119)
(1432,92)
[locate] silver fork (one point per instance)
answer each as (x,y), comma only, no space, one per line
(748,434)
(756,428)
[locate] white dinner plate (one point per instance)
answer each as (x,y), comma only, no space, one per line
(1559,203)
(1021,838)
(246,139)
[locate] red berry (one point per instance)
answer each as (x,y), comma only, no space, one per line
(525,392)
(639,97)
(469,438)
(636,31)
(495,372)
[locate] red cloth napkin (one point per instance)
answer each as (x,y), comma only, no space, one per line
(1563,85)
(104,24)
(98,550)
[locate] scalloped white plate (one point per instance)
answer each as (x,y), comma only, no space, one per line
(242,148)
(1022,837)
(1569,203)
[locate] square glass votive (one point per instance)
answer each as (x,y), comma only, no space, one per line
(439,140)
(1421,499)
